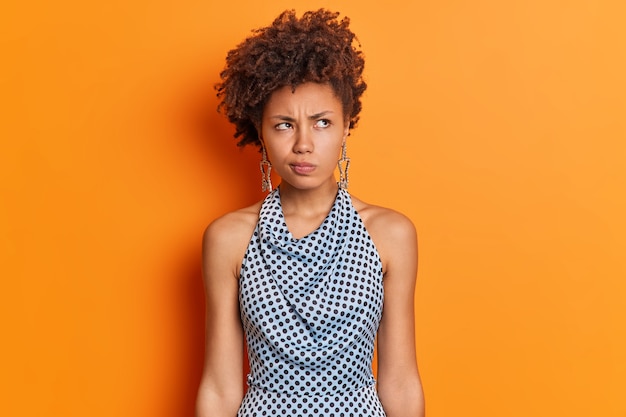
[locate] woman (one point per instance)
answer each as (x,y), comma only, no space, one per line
(323,273)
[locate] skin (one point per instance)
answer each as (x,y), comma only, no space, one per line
(302,132)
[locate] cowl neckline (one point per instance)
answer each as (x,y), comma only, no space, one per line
(272,218)
(303,264)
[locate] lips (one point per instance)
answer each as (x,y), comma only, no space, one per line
(302,168)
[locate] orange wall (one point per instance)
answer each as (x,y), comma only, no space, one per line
(499,127)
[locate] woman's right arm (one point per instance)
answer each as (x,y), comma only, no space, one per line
(221,387)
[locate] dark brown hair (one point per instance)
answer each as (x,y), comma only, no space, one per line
(315,48)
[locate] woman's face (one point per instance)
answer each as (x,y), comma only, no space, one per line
(303,131)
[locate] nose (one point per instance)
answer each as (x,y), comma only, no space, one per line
(303,142)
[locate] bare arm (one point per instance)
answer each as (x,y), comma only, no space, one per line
(399,385)
(221,388)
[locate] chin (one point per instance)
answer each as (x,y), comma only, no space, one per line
(305,185)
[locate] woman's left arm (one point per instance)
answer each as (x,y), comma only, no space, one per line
(399,386)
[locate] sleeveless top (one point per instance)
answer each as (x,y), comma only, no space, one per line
(310,307)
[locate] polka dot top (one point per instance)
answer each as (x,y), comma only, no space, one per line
(311,307)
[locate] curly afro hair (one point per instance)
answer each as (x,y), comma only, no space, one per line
(315,48)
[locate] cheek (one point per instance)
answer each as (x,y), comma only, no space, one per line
(333,153)
(275,152)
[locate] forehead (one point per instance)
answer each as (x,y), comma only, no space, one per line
(308,96)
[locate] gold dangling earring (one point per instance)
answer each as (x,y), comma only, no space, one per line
(266,168)
(343,172)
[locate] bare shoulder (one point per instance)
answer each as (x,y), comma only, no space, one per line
(393,233)
(384,222)
(225,240)
(235,222)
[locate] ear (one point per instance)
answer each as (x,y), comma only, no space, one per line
(259,129)
(346,130)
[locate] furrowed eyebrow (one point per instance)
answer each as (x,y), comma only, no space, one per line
(311,117)
(320,115)
(284,118)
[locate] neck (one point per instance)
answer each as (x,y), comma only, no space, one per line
(307,202)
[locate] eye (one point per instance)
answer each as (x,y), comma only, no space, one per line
(323,123)
(283,126)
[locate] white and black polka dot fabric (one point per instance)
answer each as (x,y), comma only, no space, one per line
(310,309)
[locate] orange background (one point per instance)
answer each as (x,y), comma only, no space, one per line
(498,126)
